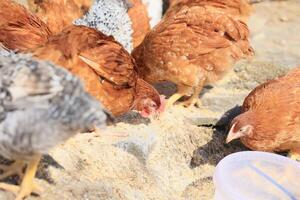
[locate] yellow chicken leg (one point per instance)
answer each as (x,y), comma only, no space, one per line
(173,99)
(14,169)
(182,91)
(27,185)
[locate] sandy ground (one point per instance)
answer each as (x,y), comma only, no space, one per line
(173,157)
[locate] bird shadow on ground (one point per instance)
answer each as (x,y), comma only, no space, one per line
(43,170)
(215,150)
(42,173)
(132,118)
(168,88)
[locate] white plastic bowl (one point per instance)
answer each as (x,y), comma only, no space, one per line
(254,175)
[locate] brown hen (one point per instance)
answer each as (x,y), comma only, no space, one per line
(107,69)
(191,48)
(19,29)
(58,14)
(270,119)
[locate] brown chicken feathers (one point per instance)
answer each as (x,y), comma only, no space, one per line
(108,71)
(19,29)
(192,47)
(270,116)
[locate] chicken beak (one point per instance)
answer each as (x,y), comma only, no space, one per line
(232,135)
(156,115)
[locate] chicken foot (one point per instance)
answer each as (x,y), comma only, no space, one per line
(194,99)
(27,186)
(15,168)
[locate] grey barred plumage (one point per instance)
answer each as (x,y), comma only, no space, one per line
(41,105)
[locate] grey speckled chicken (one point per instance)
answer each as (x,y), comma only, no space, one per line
(40,106)
(111,18)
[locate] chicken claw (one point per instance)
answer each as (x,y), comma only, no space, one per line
(194,99)
(16,190)
(14,169)
(27,186)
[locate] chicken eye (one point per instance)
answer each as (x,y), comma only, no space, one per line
(153,104)
(243,129)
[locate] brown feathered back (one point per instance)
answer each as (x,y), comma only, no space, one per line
(273,89)
(192,37)
(107,80)
(20,29)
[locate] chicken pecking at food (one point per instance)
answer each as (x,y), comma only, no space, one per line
(270,118)
(125,20)
(58,14)
(191,48)
(41,105)
(107,69)
(19,29)
(238,9)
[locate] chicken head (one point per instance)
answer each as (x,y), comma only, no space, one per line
(148,102)
(241,126)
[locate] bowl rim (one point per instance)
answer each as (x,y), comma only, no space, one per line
(221,177)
